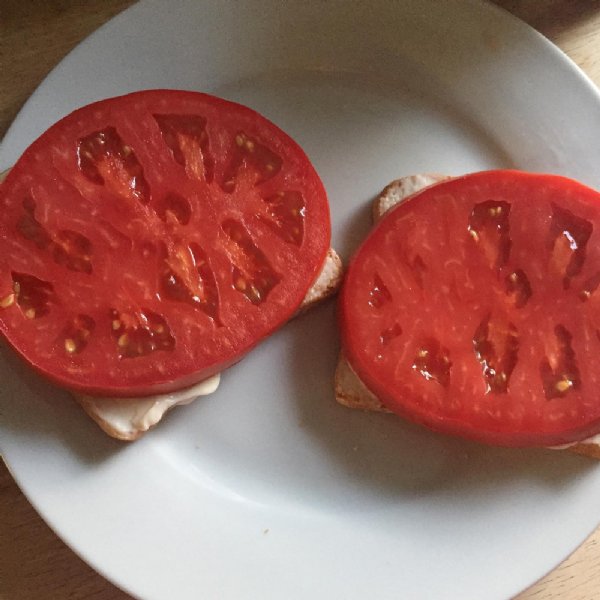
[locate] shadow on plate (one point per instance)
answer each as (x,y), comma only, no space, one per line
(37,409)
(393,456)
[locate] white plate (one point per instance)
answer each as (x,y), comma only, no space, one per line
(267,489)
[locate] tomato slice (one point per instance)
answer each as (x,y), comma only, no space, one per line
(149,241)
(473,308)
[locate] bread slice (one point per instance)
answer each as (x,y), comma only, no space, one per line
(129,418)
(326,284)
(349,389)
(401,189)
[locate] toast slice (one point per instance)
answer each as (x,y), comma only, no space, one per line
(350,391)
(128,419)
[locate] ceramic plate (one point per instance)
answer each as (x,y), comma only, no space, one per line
(267,489)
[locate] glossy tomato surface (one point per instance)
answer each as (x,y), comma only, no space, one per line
(473,308)
(148,241)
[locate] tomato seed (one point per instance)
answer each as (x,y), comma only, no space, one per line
(433,363)
(7,301)
(250,154)
(285,216)
(558,381)
(145,333)
(33,295)
(496,346)
(568,238)
(563,385)
(249,263)
(489,225)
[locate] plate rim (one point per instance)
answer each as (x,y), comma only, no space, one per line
(73,55)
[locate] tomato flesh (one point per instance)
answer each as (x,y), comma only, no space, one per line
(149,241)
(473,308)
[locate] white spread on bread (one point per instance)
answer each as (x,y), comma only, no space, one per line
(128,418)
(350,391)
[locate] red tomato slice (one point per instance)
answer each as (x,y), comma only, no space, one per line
(474,308)
(149,241)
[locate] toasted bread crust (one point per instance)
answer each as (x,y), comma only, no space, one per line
(351,391)
(327,282)
(589,449)
(401,189)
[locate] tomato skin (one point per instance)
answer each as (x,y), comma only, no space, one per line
(150,241)
(493,333)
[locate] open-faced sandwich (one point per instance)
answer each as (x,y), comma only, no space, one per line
(473,308)
(149,241)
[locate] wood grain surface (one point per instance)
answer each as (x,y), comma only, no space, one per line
(34,36)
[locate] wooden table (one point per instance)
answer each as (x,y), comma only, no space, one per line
(34,36)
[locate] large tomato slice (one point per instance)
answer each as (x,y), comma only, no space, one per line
(474,308)
(149,241)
